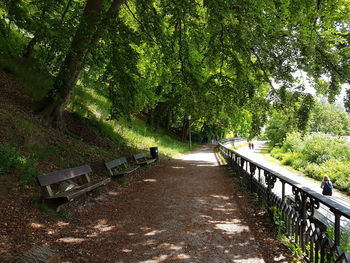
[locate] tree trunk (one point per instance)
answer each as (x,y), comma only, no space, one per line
(185,127)
(86,37)
(30,48)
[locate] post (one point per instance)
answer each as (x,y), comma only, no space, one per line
(336,229)
(189,130)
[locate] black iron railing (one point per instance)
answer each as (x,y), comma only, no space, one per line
(297,206)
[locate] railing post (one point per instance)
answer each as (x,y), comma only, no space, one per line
(283,190)
(336,228)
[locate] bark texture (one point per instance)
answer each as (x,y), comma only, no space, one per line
(91,28)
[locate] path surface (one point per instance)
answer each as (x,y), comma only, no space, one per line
(186,210)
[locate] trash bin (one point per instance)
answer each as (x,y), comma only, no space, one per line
(154,153)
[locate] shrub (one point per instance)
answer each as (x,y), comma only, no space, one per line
(319,148)
(299,163)
(28,170)
(313,170)
(290,158)
(9,158)
(338,172)
(293,142)
(277,153)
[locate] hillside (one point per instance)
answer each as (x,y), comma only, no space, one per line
(29,147)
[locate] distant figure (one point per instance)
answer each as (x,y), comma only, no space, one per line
(327,186)
(252,146)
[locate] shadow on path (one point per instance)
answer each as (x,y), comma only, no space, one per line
(183,210)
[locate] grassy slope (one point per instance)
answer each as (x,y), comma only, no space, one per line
(93,138)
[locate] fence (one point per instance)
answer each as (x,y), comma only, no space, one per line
(297,211)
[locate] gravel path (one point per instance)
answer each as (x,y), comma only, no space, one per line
(183,210)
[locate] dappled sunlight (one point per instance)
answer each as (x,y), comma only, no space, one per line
(62,224)
(205,165)
(51,232)
(154,232)
(170,246)
(36,225)
(222,209)
(151,242)
(183,256)
(113,193)
(150,180)
(102,226)
(191,222)
(71,240)
(223,197)
(231,228)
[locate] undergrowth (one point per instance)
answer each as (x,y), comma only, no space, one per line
(317,155)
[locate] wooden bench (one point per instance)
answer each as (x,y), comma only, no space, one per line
(141,159)
(119,167)
(59,184)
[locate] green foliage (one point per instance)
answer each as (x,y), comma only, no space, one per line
(36,84)
(276,215)
(122,133)
(168,60)
(293,115)
(317,155)
(122,180)
(64,214)
(329,118)
(28,170)
(9,158)
(344,238)
(290,158)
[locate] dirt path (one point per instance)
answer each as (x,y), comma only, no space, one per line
(183,210)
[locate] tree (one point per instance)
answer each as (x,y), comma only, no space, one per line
(212,59)
(90,29)
(329,118)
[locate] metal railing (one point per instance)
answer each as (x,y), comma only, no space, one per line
(298,216)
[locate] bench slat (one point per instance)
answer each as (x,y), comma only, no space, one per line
(70,195)
(139,156)
(62,175)
(114,163)
(126,171)
(141,159)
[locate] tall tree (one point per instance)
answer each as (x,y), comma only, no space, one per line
(92,25)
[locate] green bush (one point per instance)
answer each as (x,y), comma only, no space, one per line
(9,158)
(277,153)
(291,158)
(338,172)
(299,164)
(293,142)
(313,170)
(319,148)
(28,170)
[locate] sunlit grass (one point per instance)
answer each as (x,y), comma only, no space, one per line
(134,134)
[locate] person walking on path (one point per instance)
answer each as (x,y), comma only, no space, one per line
(327,186)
